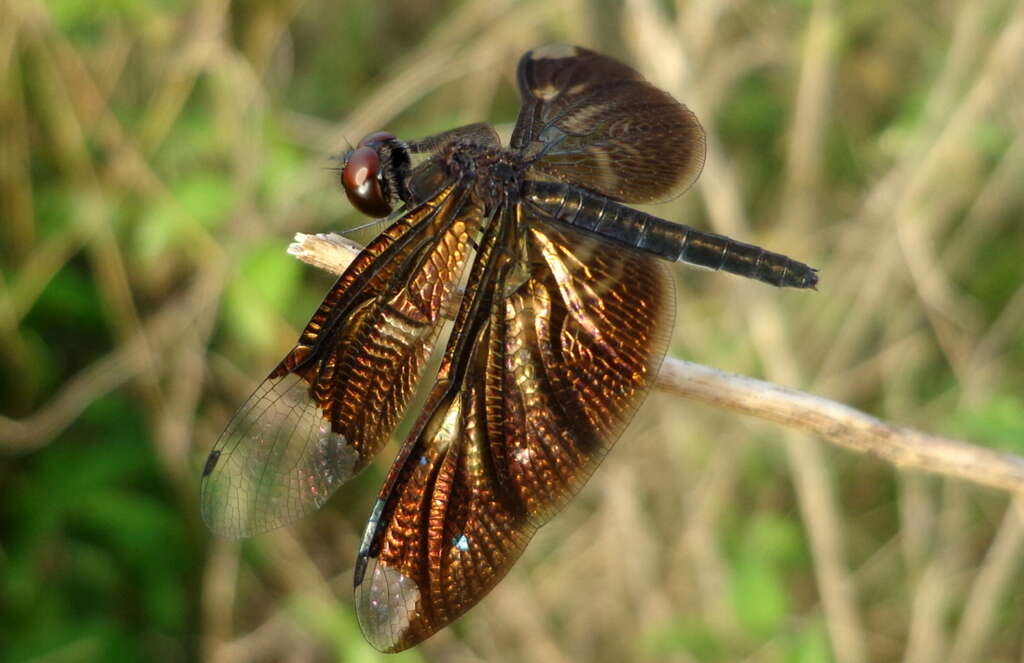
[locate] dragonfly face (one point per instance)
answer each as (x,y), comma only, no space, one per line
(561,330)
(375,174)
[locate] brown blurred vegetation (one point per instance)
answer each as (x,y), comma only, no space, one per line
(156,158)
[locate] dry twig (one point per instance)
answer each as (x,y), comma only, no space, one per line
(837,423)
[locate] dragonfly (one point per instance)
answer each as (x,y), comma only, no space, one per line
(558,335)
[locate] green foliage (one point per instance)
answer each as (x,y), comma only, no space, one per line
(753,120)
(809,645)
(757,589)
(203,199)
(336,624)
(97,564)
(54,206)
(689,635)
(1000,279)
(998,423)
(267,277)
(62,329)
(763,550)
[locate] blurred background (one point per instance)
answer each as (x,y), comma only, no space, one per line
(157,157)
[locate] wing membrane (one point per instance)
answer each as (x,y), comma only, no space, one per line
(332,402)
(590,120)
(561,350)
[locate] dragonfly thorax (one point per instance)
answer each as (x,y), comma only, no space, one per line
(493,173)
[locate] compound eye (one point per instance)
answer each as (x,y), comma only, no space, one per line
(361,181)
(376,138)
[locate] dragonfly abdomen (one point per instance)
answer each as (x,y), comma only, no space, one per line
(671,241)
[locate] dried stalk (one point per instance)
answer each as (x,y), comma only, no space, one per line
(839,424)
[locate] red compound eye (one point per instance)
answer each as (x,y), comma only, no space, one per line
(361,181)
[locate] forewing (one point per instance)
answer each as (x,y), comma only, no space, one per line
(332,402)
(591,120)
(573,339)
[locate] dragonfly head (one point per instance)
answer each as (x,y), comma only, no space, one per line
(376,173)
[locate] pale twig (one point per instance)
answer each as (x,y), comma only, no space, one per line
(839,424)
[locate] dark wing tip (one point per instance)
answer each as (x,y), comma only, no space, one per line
(211,462)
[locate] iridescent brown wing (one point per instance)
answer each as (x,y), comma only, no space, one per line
(557,351)
(332,402)
(590,120)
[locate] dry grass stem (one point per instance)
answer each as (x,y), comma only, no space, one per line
(839,424)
